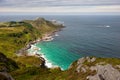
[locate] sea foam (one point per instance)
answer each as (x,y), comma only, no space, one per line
(48,63)
(106,26)
(36,50)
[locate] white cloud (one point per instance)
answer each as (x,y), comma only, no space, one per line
(113,8)
(39,3)
(59,5)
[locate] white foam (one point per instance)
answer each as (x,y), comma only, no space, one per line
(107,26)
(48,64)
(56,35)
(49,39)
(34,50)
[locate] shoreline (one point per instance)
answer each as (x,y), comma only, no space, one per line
(45,37)
(35,51)
(31,46)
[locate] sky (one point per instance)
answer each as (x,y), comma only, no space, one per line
(60,6)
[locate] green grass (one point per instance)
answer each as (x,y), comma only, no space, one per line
(113,61)
(29,61)
(7,63)
(16,35)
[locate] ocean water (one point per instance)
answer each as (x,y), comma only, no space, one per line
(84,35)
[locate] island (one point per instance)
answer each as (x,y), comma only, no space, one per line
(16,37)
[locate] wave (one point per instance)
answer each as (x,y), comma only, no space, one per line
(33,50)
(48,38)
(107,26)
(36,50)
(56,35)
(48,63)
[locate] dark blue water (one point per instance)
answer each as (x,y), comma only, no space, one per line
(84,35)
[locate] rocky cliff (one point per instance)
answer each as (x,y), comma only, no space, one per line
(97,68)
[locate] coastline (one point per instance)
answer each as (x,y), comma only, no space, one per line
(35,51)
(26,51)
(45,37)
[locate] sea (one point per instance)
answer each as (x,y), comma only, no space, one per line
(83,35)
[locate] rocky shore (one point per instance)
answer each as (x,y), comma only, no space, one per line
(45,37)
(30,46)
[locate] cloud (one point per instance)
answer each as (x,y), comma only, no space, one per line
(113,8)
(39,3)
(59,5)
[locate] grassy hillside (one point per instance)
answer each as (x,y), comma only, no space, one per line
(37,73)
(16,35)
(7,64)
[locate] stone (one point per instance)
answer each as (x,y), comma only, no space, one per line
(88,59)
(80,63)
(93,59)
(104,72)
(83,69)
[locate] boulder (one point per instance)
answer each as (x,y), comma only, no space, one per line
(104,72)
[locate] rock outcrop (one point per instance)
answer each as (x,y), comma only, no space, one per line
(104,72)
(80,62)
(93,68)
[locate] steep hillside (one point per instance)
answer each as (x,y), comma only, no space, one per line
(16,35)
(86,68)
(6,65)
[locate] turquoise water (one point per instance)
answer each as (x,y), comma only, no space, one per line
(84,35)
(57,53)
